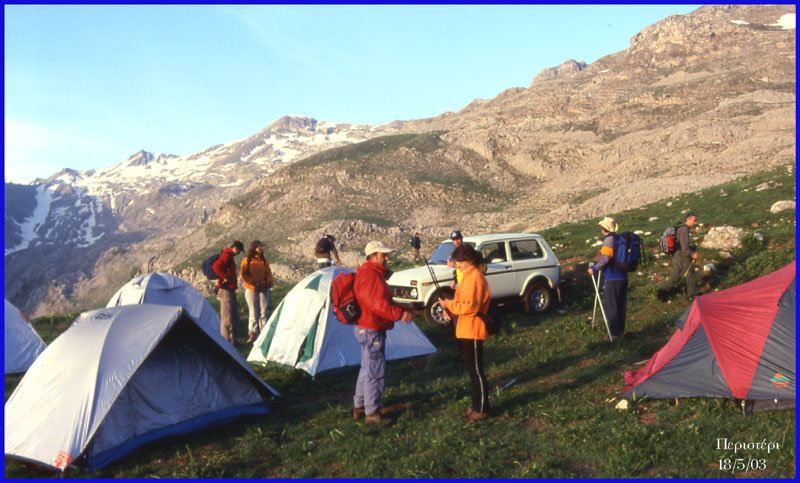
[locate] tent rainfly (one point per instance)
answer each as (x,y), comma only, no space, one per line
(22,344)
(737,343)
(121,377)
(165,289)
(304,333)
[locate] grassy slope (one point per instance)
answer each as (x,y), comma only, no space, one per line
(557,420)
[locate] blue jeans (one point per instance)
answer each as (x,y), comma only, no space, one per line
(372,375)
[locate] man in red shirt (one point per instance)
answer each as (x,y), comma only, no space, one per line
(378,314)
(225,268)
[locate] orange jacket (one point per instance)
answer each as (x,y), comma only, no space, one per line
(472,297)
(256,271)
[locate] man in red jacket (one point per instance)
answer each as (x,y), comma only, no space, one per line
(378,314)
(225,268)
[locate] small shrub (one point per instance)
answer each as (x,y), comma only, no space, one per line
(759,265)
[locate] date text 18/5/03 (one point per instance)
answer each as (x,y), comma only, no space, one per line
(738,465)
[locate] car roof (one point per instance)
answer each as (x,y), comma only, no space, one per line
(478,239)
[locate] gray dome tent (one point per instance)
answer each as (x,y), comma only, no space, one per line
(165,289)
(121,377)
(22,344)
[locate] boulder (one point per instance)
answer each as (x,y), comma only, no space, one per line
(779,206)
(723,238)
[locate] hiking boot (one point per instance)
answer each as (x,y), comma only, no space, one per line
(377,418)
(662,295)
(474,416)
(251,338)
(358,413)
(392,409)
(467,413)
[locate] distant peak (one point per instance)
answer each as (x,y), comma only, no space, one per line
(141,158)
(568,68)
(294,123)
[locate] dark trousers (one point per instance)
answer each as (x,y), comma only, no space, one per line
(473,360)
(616,303)
(229,314)
(681,265)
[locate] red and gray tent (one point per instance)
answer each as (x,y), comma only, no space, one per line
(737,343)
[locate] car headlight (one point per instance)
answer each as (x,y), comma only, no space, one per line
(405,292)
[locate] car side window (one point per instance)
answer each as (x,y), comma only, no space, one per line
(525,249)
(494,252)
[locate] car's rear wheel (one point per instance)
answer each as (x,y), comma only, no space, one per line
(537,298)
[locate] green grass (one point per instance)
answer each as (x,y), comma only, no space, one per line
(557,421)
(588,195)
(360,152)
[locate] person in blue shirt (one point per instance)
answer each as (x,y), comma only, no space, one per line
(415,244)
(616,281)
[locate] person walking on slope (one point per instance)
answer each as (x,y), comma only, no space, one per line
(378,314)
(257,278)
(471,299)
(682,259)
(416,244)
(225,268)
(324,249)
(615,290)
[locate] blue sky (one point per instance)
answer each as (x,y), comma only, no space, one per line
(87,86)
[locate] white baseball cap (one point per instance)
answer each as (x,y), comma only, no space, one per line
(377,247)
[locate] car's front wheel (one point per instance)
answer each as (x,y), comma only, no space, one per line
(434,312)
(537,298)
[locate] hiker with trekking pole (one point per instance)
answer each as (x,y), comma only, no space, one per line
(615,290)
(683,261)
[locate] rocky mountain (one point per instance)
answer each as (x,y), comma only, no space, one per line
(72,219)
(696,100)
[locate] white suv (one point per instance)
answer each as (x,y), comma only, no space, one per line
(519,265)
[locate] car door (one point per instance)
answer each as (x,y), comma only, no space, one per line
(528,257)
(499,269)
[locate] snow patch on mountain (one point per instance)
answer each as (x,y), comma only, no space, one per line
(29,227)
(87,227)
(286,140)
(69,208)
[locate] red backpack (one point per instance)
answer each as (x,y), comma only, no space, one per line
(343,299)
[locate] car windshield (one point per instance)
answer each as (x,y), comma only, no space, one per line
(443,252)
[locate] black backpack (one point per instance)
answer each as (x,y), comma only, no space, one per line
(208,269)
(628,251)
(493,320)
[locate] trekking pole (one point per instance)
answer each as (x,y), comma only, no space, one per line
(690,267)
(497,393)
(594,311)
(433,275)
(602,310)
(438,287)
